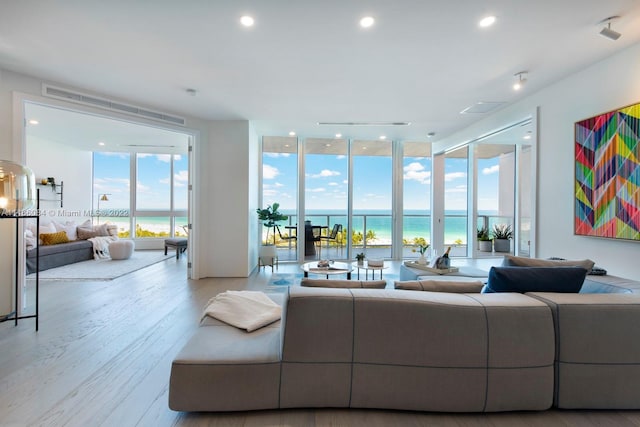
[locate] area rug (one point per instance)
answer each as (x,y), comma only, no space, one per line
(103,269)
(285,280)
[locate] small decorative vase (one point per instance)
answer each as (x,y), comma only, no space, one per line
(422,260)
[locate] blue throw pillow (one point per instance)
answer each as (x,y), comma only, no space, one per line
(535,279)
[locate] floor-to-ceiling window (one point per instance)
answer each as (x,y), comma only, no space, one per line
(160,194)
(372,197)
(416,196)
(495,187)
(111,190)
(326,183)
(280,185)
(456,166)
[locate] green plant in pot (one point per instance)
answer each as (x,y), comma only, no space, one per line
(484,241)
(270,217)
(502,235)
(360,258)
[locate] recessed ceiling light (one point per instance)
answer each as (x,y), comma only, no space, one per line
(247,21)
(33,122)
(292,133)
(527,136)
(431,134)
(367,22)
(286,145)
(101,143)
(327,145)
(487,21)
(383,137)
(338,135)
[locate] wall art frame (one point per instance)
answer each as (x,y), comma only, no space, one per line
(607,175)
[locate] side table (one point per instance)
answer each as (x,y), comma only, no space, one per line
(366,267)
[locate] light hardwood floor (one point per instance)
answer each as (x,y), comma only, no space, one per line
(103,354)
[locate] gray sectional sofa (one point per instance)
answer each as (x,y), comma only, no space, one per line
(52,256)
(424,351)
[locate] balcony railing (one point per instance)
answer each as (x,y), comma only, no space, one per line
(372,234)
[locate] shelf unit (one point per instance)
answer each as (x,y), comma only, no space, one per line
(14,315)
(57,190)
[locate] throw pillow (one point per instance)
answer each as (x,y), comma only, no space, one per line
(464,287)
(517,261)
(54,238)
(535,279)
(68,227)
(86,230)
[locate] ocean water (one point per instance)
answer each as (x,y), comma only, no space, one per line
(416,224)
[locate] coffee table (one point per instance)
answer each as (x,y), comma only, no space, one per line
(335,268)
(366,267)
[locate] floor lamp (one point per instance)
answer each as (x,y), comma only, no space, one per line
(102,198)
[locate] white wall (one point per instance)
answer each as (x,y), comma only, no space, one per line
(226,218)
(51,159)
(604,86)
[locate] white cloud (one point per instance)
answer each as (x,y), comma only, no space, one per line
(333,184)
(166,158)
(181,176)
(277,184)
(341,157)
(275,155)
(141,188)
(316,190)
(269,172)
(415,171)
(458,189)
(490,170)
(325,173)
(454,175)
(345,181)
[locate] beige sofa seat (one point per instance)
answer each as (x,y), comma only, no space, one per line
(451,352)
(223,368)
(598,348)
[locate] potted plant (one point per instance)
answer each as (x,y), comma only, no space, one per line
(484,241)
(360,258)
(502,234)
(270,217)
(422,249)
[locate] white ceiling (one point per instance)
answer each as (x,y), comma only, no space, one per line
(308,61)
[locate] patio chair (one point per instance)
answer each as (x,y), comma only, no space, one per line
(337,228)
(288,237)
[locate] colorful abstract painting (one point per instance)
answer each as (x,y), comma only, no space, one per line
(607,181)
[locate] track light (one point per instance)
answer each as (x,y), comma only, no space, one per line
(522,80)
(607,31)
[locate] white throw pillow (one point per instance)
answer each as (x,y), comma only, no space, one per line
(46,229)
(68,227)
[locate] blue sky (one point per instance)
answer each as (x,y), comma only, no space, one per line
(112,176)
(326,182)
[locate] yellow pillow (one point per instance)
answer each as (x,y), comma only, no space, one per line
(54,238)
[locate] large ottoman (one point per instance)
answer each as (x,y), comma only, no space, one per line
(121,249)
